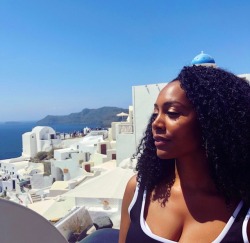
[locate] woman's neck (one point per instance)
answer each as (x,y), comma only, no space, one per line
(192,173)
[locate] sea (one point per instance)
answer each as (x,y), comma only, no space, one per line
(11,136)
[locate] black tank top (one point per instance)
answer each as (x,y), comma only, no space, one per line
(138,232)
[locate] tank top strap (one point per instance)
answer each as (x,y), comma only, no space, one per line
(235,233)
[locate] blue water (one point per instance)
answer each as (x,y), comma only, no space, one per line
(11,136)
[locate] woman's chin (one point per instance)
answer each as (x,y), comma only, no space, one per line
(163,155)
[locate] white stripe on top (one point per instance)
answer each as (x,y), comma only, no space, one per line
(244,227)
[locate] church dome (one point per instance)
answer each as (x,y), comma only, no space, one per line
(203,59)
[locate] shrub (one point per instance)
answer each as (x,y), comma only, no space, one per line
(41,155)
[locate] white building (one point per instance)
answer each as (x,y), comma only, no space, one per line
(41,138)
(246,76)
(9,185)
(95,148)
(10,167)
(66,164)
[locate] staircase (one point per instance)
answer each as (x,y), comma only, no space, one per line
(35,197)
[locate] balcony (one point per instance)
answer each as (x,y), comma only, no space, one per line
(124,128)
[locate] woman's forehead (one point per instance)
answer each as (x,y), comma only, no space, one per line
(173,92)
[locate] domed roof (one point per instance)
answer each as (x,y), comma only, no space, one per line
(202,58)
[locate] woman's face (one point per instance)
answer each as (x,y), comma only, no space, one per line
(175,128)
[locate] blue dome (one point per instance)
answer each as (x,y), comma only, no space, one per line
(202,58)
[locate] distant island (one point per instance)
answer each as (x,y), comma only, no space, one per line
(16,122)
(101,117)
(13,122)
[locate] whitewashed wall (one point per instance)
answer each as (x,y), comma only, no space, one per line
(144,97)
(29,144)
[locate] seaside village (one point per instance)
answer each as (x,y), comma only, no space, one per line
(70,187)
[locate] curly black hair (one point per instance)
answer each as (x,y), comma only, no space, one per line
(222,103)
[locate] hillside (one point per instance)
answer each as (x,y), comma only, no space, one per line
(101,117)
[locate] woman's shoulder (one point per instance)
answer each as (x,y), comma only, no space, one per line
(133,180)
(132,183)
(130,188)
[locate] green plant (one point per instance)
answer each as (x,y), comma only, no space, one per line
(76,225)
(50,154)
(41,155)
(78,222)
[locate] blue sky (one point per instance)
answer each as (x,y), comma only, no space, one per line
(61,56)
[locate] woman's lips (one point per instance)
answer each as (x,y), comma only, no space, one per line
(160,141)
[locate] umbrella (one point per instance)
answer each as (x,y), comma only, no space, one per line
(122,114)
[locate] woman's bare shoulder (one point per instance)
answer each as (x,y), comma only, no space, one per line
(127,198)
(132,182)
(130,188)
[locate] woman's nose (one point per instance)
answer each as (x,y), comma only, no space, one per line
(158,123)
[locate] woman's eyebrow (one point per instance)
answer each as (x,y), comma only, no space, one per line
(175,102)
(169,103)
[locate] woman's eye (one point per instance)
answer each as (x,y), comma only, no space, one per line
(173,114)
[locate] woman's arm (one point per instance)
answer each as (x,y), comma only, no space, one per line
(125,219)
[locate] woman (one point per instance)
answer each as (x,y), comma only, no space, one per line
(193,181)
